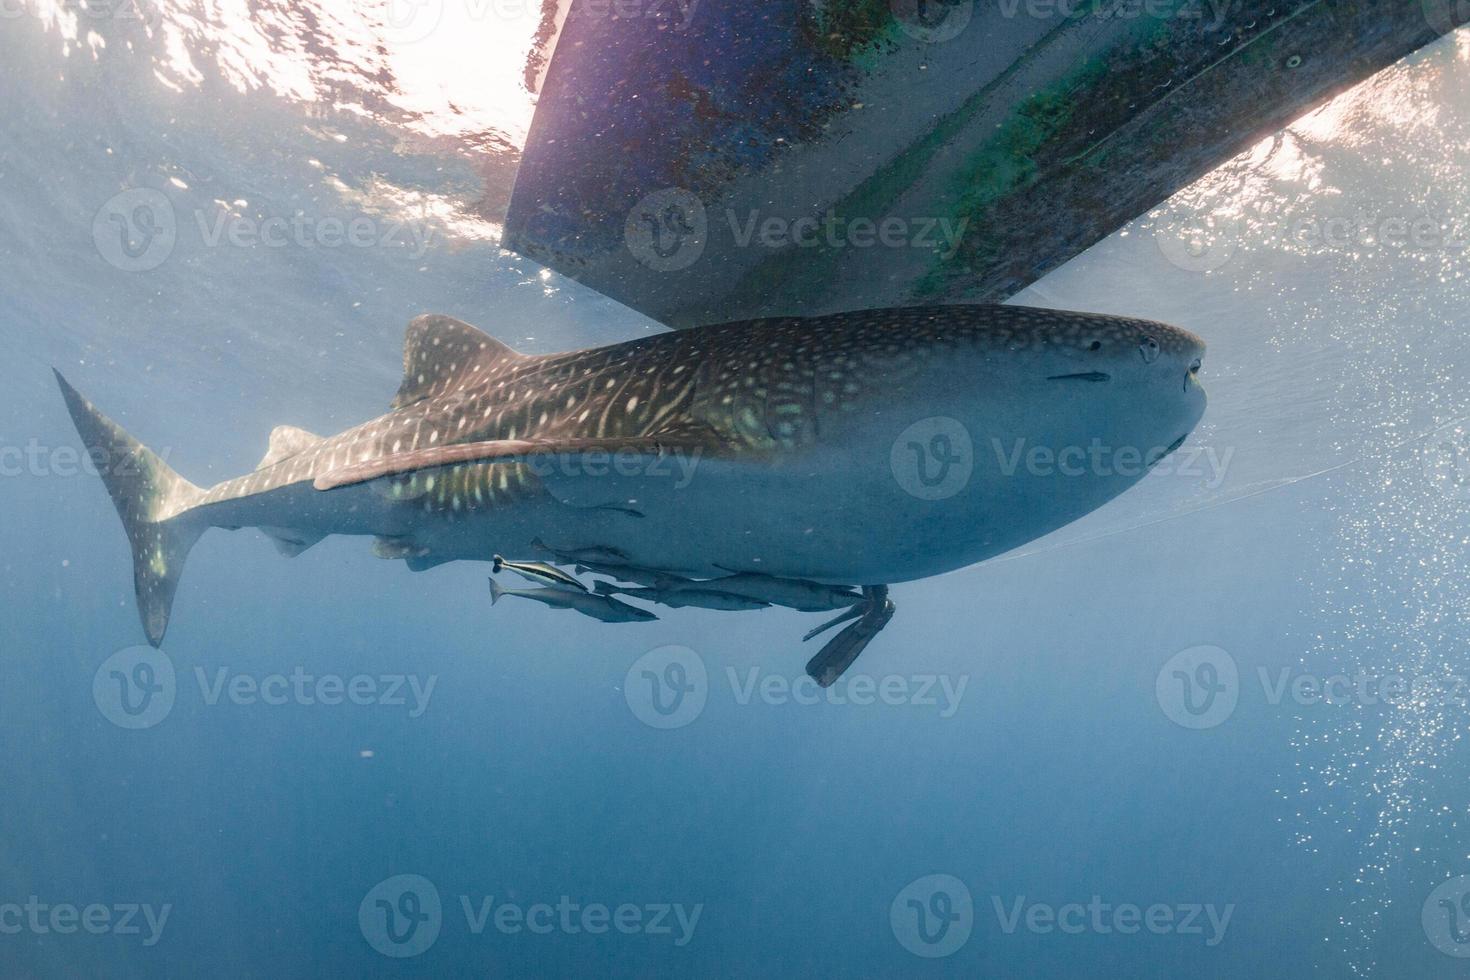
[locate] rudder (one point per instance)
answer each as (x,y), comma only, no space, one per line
(153,502)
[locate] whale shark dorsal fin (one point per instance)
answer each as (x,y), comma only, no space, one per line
(286,441)
(440,352)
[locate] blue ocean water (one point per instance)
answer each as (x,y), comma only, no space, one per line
(1107,755)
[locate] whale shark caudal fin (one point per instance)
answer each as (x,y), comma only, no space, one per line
(153,502)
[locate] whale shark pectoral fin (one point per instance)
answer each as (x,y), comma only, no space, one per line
(289,542)
(579,458)
(390,547)
(286,441)
(440,352)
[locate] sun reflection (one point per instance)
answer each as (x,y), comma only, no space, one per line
(448,77)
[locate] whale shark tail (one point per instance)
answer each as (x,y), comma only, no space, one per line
(153,501)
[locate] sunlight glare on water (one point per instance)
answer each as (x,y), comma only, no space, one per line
(1337,250)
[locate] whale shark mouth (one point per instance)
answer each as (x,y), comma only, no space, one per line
(1171,447)
(1193,373)
(1082,376)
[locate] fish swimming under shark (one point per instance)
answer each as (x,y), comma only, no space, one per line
(595,604)
(862,448)
(539,572)
(709,598)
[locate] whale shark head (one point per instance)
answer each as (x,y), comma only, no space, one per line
(1134,380)
(1044,375)
(1006,423)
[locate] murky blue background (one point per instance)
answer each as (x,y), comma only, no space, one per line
(1321,532)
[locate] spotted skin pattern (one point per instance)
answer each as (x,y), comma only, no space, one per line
(751,387)
(798,416)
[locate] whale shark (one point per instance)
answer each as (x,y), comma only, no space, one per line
(850,450)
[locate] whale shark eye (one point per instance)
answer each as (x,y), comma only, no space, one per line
(1149,348)
(1095,345)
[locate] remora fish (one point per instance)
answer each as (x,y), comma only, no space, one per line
(538,572)
(652,578)
(794,594)
(680,598)
(867,447)
(602,607)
